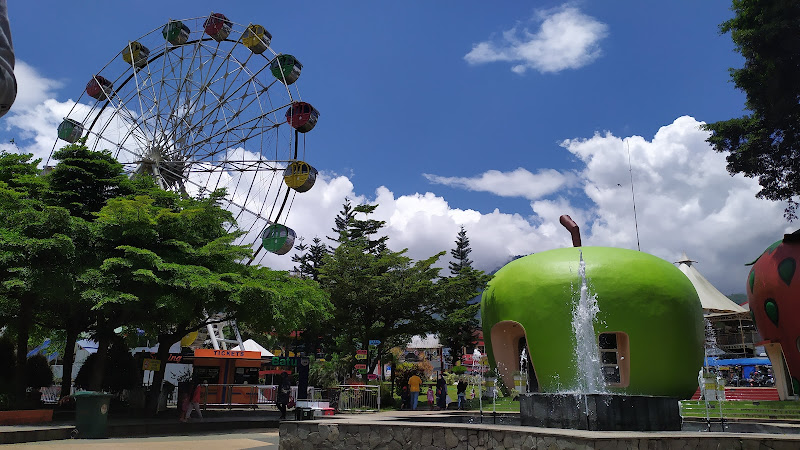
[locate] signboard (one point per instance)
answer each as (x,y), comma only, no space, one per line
(173,357)
(372,376)
(362,371)
(151,364)
(284,361)
(374,342)
(361,352)
(361,366)
(211,353)
(361,356)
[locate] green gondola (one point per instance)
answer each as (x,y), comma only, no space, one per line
(278,239)
(176,32)
(70,130)
(286,68)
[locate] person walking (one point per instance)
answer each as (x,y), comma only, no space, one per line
(284,391)
(194,402)
(414,384)
(461,390)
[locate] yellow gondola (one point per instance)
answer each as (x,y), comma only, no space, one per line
(136,54)
(300,176)
(256,38)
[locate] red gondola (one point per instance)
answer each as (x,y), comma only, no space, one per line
(99,88)
(217,26)
(302,116)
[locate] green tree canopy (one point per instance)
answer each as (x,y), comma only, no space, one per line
(377,293)
(765,143)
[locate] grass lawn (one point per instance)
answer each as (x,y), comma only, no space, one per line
(743,409)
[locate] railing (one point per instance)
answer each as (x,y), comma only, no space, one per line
(238,395)
(358,398)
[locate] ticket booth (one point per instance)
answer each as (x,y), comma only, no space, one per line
(229,376)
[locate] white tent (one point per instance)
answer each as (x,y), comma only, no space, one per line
(253,346)
(713,301)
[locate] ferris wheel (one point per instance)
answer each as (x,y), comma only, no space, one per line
(201,104)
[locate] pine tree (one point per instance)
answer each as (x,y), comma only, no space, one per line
(459,304)
(461,253)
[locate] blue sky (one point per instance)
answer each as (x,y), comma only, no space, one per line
(498,116)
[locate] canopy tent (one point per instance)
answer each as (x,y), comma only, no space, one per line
(712,300)
(253,346)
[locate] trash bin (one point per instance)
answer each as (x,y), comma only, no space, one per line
(91,414)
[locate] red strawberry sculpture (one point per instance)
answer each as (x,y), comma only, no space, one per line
(773,290)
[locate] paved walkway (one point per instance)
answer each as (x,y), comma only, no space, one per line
(164,425)
(224,421)
(243,440)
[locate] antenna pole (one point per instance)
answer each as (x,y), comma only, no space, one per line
(633,197)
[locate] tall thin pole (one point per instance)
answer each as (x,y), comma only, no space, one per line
(633,197)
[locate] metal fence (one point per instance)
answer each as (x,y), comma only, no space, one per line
(358,398)
(237,395)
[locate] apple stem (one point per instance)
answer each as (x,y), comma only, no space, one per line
(573,229)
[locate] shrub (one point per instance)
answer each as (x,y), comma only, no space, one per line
(37,372)
(404,371)
(121,371)
(459,370)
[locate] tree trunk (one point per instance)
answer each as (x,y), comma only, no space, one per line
(69,359)
(165,341)
(23,329)
(99,370)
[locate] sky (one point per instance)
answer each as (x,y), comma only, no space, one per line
(495,116)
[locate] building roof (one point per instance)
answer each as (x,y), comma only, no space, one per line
(253,346)
(712,300)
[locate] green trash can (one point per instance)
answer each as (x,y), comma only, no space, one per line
(91,414)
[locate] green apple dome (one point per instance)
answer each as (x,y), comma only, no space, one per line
(649,325)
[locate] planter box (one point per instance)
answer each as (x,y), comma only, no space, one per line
(18,417)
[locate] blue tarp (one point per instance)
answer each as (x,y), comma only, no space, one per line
(738,362)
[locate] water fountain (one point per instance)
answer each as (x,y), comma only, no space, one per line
(624,372)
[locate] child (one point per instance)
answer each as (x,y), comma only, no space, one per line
(430,397)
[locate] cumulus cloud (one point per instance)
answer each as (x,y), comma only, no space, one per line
(566,38)
(685,201)
(517,183)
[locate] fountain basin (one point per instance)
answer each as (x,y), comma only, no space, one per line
(600,412)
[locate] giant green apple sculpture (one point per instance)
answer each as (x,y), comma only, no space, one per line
(649,302)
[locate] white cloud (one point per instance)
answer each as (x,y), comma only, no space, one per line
(566,39)
(517,183)
(685,200)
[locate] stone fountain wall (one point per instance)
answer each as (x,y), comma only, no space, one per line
(323,435)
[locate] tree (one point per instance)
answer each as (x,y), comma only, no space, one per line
(461,253)
(311,258)
(766,142)
(36,246)
(82,182)
(376,293)
(458,310)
